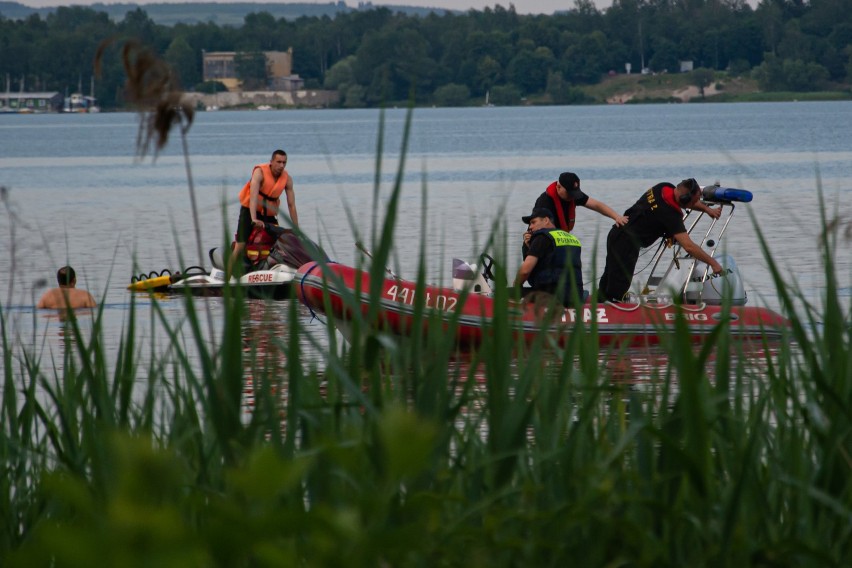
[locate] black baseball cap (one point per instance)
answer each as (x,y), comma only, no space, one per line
(538,212)
(571,182)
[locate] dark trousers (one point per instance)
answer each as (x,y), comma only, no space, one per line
(622,252)
(244,223)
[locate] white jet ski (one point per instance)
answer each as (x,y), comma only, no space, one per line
(271,263)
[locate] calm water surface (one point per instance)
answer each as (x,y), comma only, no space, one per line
(76,193)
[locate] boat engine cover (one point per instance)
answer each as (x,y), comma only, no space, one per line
(216,258)
(716,286)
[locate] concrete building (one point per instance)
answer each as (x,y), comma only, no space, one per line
(220,66)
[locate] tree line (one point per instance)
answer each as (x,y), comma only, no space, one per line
(378,56)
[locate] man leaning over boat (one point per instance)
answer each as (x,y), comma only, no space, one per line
(657,214)
(552,262)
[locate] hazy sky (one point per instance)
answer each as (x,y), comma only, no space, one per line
(521,6)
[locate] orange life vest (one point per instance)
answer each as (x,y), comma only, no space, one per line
(271,189)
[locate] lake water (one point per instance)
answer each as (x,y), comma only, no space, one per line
(77,194)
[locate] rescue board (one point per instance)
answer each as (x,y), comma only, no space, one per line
(150,283)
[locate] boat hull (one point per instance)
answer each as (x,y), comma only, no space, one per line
(633,324)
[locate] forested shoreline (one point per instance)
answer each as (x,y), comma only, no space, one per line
(377,56)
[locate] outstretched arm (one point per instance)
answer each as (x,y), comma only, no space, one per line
(697,252)
(606,211)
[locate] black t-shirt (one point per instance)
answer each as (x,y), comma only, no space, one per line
(545,201)
(540,246)
(651,217)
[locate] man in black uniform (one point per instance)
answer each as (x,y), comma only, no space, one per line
(657,214)
(553,255)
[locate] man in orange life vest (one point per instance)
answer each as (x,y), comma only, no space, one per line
(260,199)
(562,198)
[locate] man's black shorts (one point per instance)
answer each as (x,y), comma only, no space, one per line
(244,223)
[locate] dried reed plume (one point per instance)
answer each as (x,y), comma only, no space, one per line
(153,89)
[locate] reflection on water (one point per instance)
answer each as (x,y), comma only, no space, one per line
(615,381)
(265,335)
(61,339)
(640,368)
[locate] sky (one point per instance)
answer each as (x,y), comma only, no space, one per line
(521,6)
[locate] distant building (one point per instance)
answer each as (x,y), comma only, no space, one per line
(220,66)
(31,102)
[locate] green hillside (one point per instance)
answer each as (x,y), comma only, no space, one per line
(220,13)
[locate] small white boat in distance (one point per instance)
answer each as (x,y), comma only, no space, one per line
(80,103)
